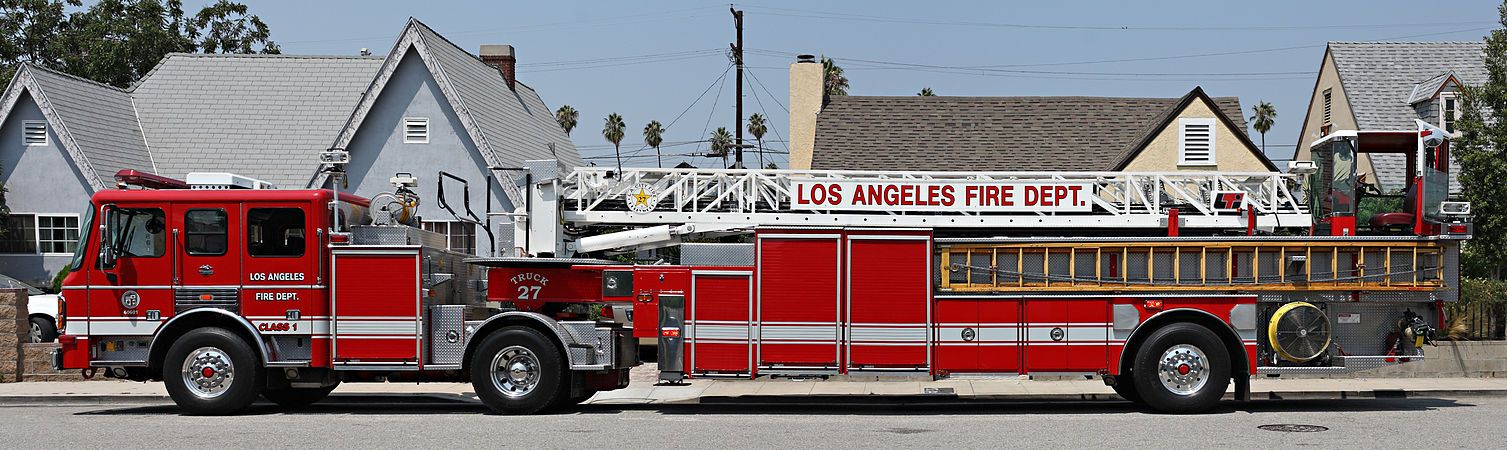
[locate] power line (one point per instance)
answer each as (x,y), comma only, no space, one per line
(766,91)
(620,58)
(675,14)
(808,14)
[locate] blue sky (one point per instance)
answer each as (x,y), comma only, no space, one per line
(650,60)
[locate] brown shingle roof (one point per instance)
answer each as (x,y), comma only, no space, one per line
(991,133)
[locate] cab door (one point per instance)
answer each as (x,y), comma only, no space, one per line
(132,295)
(279,275)
(208,264)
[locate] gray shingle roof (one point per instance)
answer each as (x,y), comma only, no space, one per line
(99,119)
(516,124)
(1379,79)
(263,116)
(1426,90)
(990,133)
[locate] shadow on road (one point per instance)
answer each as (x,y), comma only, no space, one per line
(419,404)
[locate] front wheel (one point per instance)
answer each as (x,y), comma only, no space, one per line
(297,397)
(42,330)
(211,371)
(517,370)
(1181,368)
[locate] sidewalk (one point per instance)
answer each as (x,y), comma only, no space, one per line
(815,391)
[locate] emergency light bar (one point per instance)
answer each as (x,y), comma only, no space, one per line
(146,180)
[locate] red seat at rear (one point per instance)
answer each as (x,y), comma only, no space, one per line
(1392,220)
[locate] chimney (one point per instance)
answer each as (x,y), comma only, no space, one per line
(806,89)
(501,56)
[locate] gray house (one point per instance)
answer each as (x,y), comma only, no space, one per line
(427,106)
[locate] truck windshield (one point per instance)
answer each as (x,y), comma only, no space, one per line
(85,230)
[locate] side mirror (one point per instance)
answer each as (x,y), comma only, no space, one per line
(107,251)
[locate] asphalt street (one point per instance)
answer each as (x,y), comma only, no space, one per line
(412,421)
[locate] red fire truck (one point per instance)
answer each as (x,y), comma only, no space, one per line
(1169,287)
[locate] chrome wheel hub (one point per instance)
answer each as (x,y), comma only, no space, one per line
(1183,369)
(36,333)
(515,371)
(208,372)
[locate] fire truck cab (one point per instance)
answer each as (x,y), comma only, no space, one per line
(226,291)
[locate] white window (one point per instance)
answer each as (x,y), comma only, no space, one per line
(1195,143)
(1328,106)
(1449,111)
(36,233)
(34,132)
(416,130)
(460,237)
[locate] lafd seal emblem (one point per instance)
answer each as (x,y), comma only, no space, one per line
(642,198)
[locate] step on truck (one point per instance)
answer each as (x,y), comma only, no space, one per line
(1169,287)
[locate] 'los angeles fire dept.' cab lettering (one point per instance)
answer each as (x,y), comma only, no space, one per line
(277,296)
(276,276)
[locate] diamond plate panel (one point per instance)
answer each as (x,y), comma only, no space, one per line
(291,348)
(715,254)
(447,334)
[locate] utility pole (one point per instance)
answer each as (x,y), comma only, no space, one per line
(738,60)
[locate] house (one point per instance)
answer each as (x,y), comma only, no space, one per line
(1386,86)
(426,106)
(1192,133)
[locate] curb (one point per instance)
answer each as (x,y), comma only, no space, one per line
(896,399)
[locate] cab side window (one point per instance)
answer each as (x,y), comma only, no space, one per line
(140,232)
(205,232)
(275,232)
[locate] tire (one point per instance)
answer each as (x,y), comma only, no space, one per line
(1197,369)
(534,377)
(42,330)
(1125,387)
(297,397)
(211,371)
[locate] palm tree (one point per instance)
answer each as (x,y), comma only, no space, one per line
(566,117)
(1265,115)
(757,128)
(613,131)
(832,80)
(721,142)
(926,92)
(654,134)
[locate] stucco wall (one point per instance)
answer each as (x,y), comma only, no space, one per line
(40,179)
(805,102)
(1230,154)
(1340,115)
(378,151)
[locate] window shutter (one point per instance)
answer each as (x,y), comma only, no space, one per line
(34,133)
(1196,141)
(416,130)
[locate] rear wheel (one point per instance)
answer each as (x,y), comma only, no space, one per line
(297,397)
(1181,368)
(517,370)
(212,371)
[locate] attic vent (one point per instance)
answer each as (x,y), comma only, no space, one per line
(34,132)
(416,130)
(1328,106)
(1195,142)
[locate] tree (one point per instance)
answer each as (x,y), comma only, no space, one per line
(1482,153)
(1265,115)
(227,29)
(117,41)
(721,142)
(613,131)
(566,116)
(654,134)
(757,127)
(833,83)
(926,92)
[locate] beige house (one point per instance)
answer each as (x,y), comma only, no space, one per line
(1194,132)
(1384,86)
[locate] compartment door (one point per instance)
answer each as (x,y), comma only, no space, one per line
(1066,334)
(888,302)
(799,294)
(376,307)
(720,325)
